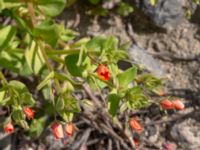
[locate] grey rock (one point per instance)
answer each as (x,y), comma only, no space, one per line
(140,56)
(5,141)
(187,134)
(166,13)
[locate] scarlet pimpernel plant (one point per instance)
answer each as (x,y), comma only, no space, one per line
(40,55)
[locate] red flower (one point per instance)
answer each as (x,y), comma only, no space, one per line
(69,129)
(29,112)
(166,104)
(135,125)
(169,146)
(57,130)
(178,104)
(136,142)
(103,72)
(9,128)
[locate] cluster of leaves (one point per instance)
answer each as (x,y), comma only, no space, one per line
(32,44)
(104,7)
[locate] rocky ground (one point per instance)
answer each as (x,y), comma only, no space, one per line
(176,49)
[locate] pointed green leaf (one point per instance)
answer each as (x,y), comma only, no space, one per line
(2,93)
(127,77)
(48,31)
(113,103)
(7,34)
(36,127)
(51,7)
(136,99)
(17,114)
(18,86)
(71,63)
(34,58)
(45,81)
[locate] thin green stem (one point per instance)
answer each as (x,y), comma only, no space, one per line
(57,59)
(49,66)
(67,52)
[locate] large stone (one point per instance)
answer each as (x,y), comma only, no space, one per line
(166,13)
(187,134)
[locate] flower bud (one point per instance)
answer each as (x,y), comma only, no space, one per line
(166,104)
(8,128)
(69,129)
(135,125)
(178,104)
(103,72)
(29,112)
(57,130)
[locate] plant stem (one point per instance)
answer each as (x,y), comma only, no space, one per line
(49,66)
(32,14)
(64,52)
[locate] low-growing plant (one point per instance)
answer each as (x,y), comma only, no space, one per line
(41,55)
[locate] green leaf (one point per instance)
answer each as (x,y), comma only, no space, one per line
(17,114)
(36,128)
(51,7)
(1,5)
(136,99)
(11,60)
(153,2)
(96,44)
(27,99)
(68,104)
(67,34)
(95,2)
(45,81)
(71,63)
(111,43)
(5,101)
(113,103)
(60,104)
(149,81)
(66,107)
(7,34)
(127,76)
(2,94)
(18,86)
(23,24)
(23,124)
(34,58)
(48,31)
(67,116)
(98,11)
(125,9)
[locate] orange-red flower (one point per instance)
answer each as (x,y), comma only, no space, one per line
(69,129)
(29,112)
(166,104)
(178,104)
(9,128)
(57,130)
(135,125)
(103,72)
